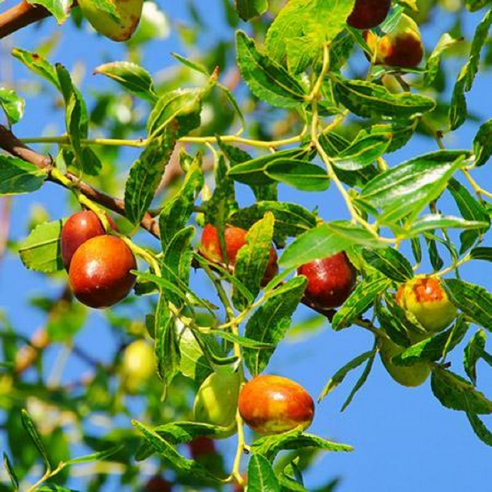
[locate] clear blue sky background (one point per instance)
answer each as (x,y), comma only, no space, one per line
(404,440)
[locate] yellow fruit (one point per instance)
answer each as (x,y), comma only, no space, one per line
(216,401)
(138,365)
(425,298)
(410,376)
(129,12)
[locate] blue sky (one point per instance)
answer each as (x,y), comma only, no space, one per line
(404,440)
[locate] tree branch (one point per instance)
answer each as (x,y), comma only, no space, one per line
(21,16)
(11,144)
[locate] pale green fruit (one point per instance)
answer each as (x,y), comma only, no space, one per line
(411,376)
(138,365)
(216,401)
(129,12)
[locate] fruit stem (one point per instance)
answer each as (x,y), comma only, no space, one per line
(454,266)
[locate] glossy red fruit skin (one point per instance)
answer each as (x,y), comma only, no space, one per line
(368,13)
(274,404)
(235,239)
(100,271)
(201,446)
(79,228)
(158,484)
(330,280)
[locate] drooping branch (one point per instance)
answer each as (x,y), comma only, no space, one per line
(11,144)
(22,15)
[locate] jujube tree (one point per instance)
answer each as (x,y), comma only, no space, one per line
(318,94)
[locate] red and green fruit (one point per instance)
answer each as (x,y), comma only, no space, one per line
(201,446)
(78,229)
(330,281)
(368,13)
(216,402)
(158,484)
(100,271)
(235,239)
(401,47)
(274,404)
(425,298)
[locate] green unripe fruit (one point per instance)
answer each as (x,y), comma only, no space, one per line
(138,365)
(411,376)
(216,402)
(129,12)
(425,298)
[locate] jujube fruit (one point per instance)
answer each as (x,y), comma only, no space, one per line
(78,229)
(158,484)
(368,13)
(100,271)
(129,12)
(216,402)
(401,47)
(235,239)
(201,446)
(138,364)
(330,280)
(274,404)
(410,376)
(425,298)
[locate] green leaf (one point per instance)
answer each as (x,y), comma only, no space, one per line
(146,174)
(457,393)
(466,77)
(481,253)
(303,27)
(363,151)
(77,123)
(60,9)
(243,341)
(473,300)
(30,427)
(401,133)
(261,475)
(473,352)
(340,375)
(193,363)
(18,176)
(132,77)
(389,262)
(99,456)
(434,61)
(178,209)
(12,105)
(474,5)
(270,446)
(11,472)
(38,65)
(324,241)
(179,109)
(253,172)
(40,251)
(482,143)
(298,174)
(271,320)
(368,100)
(167,451)
(409,187)
(290,218)
(479,428)
(253,258)
(359,301)
(266,79)
(438,221)
(432,349)
(248,9)
(166,342)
